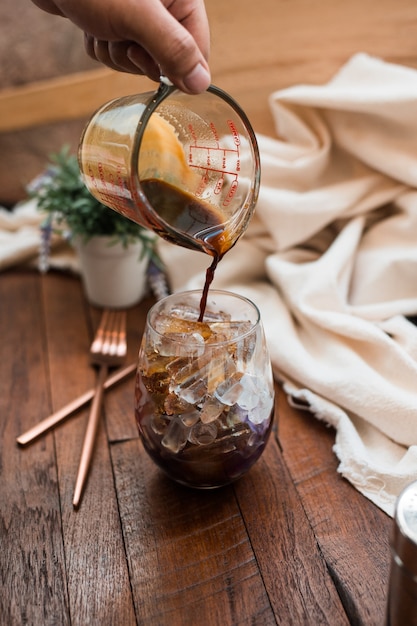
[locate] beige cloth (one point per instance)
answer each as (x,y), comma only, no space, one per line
(20,238)
(331,260)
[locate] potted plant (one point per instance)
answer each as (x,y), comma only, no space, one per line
(114,252)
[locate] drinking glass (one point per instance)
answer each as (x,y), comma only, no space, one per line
(204,394)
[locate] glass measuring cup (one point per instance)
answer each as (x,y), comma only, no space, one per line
(186,167)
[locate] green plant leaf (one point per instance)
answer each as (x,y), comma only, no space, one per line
(62,195)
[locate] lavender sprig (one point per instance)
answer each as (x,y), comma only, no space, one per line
(45,244)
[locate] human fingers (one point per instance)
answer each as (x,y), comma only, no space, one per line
(194,19)
(167,39)
(49,6)
(172,39)
(114,55)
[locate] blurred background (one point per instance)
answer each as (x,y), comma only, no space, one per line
(49,87)
(34,46)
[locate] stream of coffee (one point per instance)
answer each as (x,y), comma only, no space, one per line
(196,224)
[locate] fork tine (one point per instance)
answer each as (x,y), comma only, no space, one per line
(110,334)
(113,334)
(121,343)
(117,333)
(110,339)
(96,346)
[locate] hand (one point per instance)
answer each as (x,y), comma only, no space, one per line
(151,37)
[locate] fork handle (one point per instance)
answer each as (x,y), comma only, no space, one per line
(90,435)
(71,407)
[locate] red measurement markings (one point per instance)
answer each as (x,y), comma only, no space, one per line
(101,174)
(219,186)
(234,131)
(192,132)
(214,169)
(232,191)
(111,199)
(92,176)
(214,131)
(221,157)
(121,180)
(194,137)
(202,185)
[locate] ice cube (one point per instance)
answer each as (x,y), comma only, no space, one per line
(178,328)
(190,381)
(175,345)
(248,398)
(211,410)
(174,405)
(175,436)
(186,371)
(229,391)
(220,367)
(255,441)
(246,347)
(159,423)
(263,410)
(175,365)
(179,336)
(231,328)
(185,311)
(154,376)
(211,316)
(166,347)
(153,363)
(203,434)
(189,419)
(195,393)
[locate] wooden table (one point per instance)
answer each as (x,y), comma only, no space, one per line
(290,543)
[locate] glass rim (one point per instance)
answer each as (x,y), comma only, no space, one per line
(198,292)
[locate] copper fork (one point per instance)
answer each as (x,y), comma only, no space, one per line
(107,350)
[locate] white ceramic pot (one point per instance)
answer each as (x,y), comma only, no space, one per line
(113,276)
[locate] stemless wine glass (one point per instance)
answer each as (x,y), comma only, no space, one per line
(204,399)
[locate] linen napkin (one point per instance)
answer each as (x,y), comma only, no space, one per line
(20,240)
(330,258)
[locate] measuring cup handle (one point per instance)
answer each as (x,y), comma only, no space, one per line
(165,81)
(165,87)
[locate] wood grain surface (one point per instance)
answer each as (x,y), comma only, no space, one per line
(290,543)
